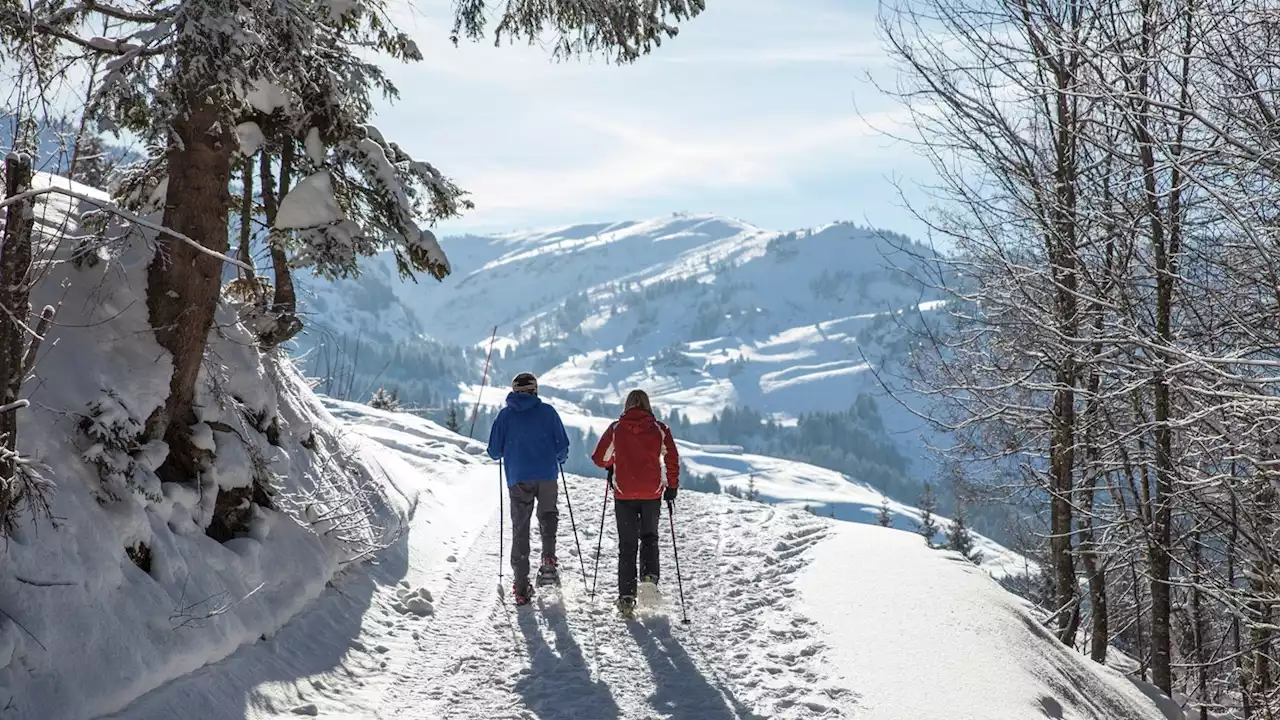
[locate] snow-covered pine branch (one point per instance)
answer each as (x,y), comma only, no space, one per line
(619,29)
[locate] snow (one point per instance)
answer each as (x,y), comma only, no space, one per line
(938,612)
(250,138)
(315,147)
(267,97)
(785,324)
(309,204)
(85,628)
(792,616)
(369,591)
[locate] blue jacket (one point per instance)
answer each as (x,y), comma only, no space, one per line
(529,438)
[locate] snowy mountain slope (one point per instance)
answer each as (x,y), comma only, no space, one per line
(791,616)
(125,587)
(744,316)
(705,313)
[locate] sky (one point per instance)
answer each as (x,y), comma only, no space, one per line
(760,110)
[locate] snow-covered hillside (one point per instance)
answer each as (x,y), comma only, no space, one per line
(791,616)
(703,312)
(129,582)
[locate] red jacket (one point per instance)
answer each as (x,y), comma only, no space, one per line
(636,447)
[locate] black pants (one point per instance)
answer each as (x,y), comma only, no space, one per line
(637,531)
(523,496)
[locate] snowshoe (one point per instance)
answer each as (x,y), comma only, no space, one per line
(522,596)
(649,597)
(626,606)
(549,572)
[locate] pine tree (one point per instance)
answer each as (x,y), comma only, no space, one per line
(752,493)
(960,539)
(451,419)
(885,518)
(927,526)
(208,86)
(383,400)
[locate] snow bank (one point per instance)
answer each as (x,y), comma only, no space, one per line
(925,635)
(123,590)
(332,660)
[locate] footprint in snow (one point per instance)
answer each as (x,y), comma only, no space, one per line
(416,602)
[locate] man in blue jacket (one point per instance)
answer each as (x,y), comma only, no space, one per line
(530,440)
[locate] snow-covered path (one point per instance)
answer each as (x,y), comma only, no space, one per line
(792,617)
(567,657)
(422,633)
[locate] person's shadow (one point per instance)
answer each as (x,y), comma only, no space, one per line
(559,684)
(680,689)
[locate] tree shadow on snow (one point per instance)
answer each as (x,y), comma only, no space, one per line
(318,640)
(681,690)
(559,683)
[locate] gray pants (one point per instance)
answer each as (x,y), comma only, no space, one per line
(523,496)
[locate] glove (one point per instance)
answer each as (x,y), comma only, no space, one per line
(610,476)
(669,495)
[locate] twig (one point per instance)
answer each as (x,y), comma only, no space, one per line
(24,629)
(43,583)
(131,217)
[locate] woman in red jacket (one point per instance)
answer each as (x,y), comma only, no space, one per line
(638,448)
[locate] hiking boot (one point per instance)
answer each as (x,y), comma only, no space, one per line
(549,571)
(522,595)
(626,605)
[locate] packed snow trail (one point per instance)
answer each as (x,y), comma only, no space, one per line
(792,617)
(482,657)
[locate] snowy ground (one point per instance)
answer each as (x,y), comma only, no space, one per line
(792,616)
(119,589)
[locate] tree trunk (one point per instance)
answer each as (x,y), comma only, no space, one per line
(182,283)
(1099,635)
(1198,626)
(1242,672)
(246,218)
(285,323)
(286,302)
(15,271)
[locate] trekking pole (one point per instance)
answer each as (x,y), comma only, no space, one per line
(600,537)
(502,520)
(581,561)
(675,551)
(484,379)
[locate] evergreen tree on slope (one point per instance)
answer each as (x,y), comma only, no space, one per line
(884,518)
(960,539)
(927,526)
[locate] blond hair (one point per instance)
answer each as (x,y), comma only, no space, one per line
(638,399)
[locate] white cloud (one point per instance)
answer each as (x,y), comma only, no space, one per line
(712,111)
(653,162)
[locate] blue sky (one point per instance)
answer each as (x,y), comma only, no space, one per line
(759,109)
